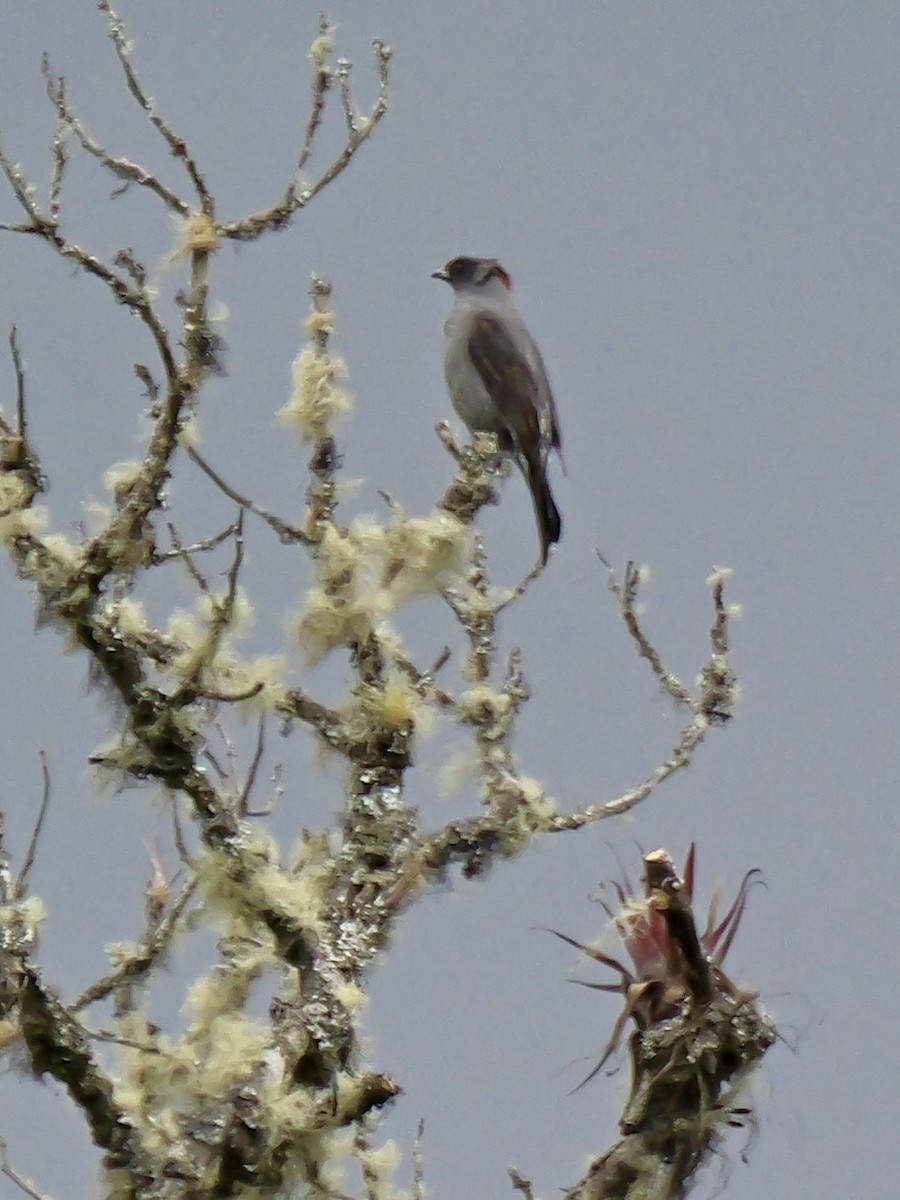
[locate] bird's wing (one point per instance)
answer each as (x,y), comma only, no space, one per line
(508,379)
(552,417)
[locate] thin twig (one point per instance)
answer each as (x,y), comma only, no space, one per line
(46,226)
(278,216)
(22,192)
(219,623)
(521,588)
(626,592)
(343,77)
(103,1035)
(129,172)
(321,84)
(424,681)
(520,1184)
(184,553)
(21,418)
(180,550)
(244,798)
(56,92)
(27,1186)
(328,723)
(178,835)
(286,532)
(22,881)
(148,951)
(176,145)
(222,697)
(418,1179)
(691,737)
(712,706)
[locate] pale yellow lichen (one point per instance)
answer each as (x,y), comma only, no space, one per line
(189,432)
(380,1163)
(393,704)
(322,47)
(120,952)
(244,615)
(263,677)
(33,911)
(481,704)
(300,897)
(340,554)
(225,989)
(311,848)
(352,997)
(346,489)
(369,535)
(14,492)
(10,1033)
(191,660)
(397,701)
(317,400)
(224,875)
(131,617)
(421,553)
(389,639)
(456,772)
(184,629)
(250,880)
(229,1049)
(120,477)
(318,322)
(328,620)
(290,1116)
(211,605)
(69,555)
(25,522)
(540,808)
(718,576)
(196,233)
(97,514)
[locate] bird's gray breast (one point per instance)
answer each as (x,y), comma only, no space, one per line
(470,397)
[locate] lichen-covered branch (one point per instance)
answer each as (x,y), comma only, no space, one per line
(170,683)
(237,1100)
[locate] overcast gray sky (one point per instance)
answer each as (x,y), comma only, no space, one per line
(698,203)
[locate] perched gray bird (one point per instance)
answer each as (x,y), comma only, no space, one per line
(497,380)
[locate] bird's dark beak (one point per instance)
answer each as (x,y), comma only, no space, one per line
(441,274)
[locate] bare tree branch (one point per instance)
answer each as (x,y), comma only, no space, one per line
(298,196)
(711,706)
(176,144)
(285,531)
(125,170)
(26,1185)
(22,881)
(147,954)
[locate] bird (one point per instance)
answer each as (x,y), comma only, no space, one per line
(497,380)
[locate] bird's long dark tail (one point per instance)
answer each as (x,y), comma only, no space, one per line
(546,513)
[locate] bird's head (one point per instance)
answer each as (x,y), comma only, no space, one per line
(465,273)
